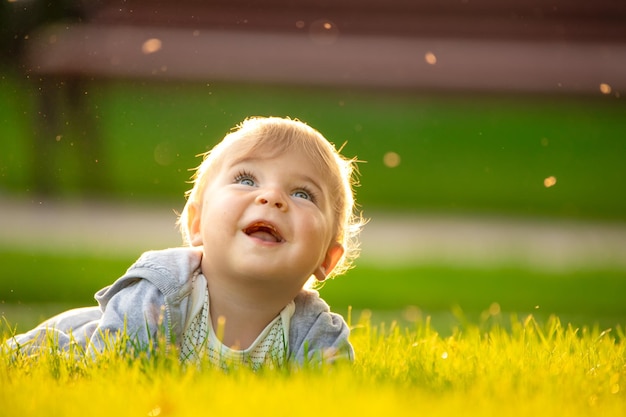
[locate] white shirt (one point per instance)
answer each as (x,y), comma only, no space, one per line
(269,348)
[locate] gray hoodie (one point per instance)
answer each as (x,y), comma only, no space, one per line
(155,297)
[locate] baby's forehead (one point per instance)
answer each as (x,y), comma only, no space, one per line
(245,151)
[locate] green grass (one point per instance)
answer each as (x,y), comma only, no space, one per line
(479,370)
(585,297)
(440,287)
(458,153)
(33,277)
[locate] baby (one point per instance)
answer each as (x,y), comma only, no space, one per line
(271,211)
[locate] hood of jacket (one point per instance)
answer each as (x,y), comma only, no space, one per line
(168,270)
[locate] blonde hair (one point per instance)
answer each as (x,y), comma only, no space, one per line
(276,135)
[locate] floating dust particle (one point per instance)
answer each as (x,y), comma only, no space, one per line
(391,159)
(163,154)
(430,58)
(151,46)
(549,182)
(605,88)
(323,32)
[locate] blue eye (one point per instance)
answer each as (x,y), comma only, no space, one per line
(301,194)
(245,178)
(304,194)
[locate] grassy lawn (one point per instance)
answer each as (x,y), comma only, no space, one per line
(530,370)
(488,356)
(582,297)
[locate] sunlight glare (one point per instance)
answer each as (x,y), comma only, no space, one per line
(155,412)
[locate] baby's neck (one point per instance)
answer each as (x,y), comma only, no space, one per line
(238,317)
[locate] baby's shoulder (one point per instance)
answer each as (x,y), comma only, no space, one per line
(311,302)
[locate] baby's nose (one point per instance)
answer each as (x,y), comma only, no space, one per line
(265,201)
(273,198)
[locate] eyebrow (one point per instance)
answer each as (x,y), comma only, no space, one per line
(310,180)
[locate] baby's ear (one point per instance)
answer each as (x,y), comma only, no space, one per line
(333,255)
(194,225)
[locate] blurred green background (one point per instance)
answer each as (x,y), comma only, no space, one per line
(458,155)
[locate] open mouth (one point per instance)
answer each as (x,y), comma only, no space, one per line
(263,231)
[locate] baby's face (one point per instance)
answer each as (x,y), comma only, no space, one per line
(268,219)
